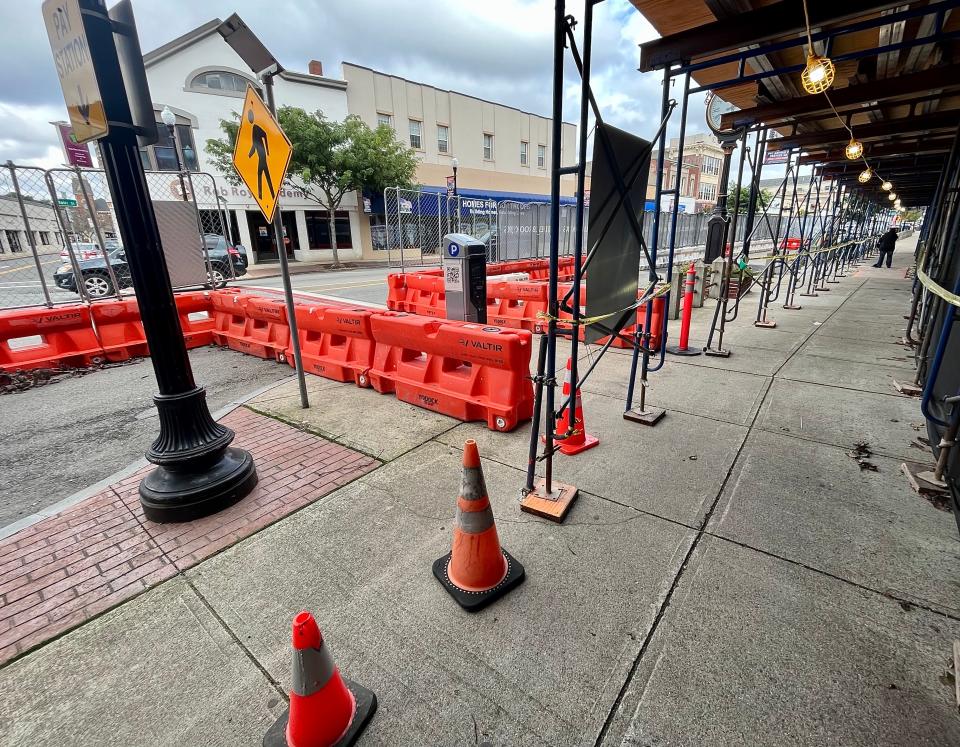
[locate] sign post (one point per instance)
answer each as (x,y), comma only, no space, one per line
(197,473)
(261,156)
(252,51)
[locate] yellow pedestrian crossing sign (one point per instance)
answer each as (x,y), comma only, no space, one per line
(262,153)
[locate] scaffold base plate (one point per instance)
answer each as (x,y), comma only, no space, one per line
(554,506)
(765,324)
(924,482)
(716,353)
(911,390)
(644,417)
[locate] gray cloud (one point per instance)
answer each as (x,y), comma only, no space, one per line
(498,50)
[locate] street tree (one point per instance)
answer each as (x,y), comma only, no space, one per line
(763,201)
(330,159)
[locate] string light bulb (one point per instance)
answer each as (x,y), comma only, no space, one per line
(854,149)
(819,73)
(865,175)
(886,186)
(892,196)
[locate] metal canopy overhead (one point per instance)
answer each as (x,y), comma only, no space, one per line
(897,78)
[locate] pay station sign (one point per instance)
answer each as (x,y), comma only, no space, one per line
(262,153)
(78,79)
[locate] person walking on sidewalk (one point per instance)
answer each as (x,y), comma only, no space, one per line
(886,245)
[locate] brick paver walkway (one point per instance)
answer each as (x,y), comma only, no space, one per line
(64,570)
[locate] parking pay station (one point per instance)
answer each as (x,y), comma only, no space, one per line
(465,277)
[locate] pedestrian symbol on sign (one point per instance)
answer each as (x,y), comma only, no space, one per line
(262,153)
(261,147)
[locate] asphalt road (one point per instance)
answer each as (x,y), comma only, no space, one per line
(20,284)
(64,436)
(73,432)
(364,284)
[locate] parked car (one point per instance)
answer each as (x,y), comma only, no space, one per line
(97,282)
(82,250)
(222,255)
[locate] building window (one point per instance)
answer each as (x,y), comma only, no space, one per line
(523,153)
(45,238)
(221,81)
(415,131)
(707,192)
(13,239)
(384,119)
(443,138)
(487,147)
(163,157)
(541,156)
(318,229)
(711,165)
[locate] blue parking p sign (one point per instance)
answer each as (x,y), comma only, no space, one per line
(453,249)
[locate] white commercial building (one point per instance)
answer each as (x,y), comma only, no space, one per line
(203,81)
(503,153)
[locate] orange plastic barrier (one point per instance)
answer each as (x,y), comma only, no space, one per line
(468,371)
(335,342)
(424,295)
(229,317)
(266,333)
(197,319)
(251,324)
(47,338)
(120,330)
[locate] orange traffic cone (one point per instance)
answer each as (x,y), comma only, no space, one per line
(477,570)
(325,709)
(579,440)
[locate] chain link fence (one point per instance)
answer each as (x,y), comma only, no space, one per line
(59,240)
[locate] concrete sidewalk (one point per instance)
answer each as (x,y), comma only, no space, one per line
(728,577)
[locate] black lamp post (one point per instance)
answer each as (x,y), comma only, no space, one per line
(197,472)
(455,163)
(170,120)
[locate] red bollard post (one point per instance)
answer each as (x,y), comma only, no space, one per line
(687,315)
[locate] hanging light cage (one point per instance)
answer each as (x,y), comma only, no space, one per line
(818,75)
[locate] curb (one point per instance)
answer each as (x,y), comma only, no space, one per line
(91,490)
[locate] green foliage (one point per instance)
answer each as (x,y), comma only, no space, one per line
(763,202)
(330,159)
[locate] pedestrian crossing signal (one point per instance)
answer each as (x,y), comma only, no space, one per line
(262,153)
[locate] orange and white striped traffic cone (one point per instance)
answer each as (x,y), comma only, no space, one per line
(579,440)
(325,709)
(477,570)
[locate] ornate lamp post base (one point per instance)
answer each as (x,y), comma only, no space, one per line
(169,495)
(197,474)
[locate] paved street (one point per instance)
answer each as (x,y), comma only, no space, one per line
(20,284)
(62,437)
(363,284)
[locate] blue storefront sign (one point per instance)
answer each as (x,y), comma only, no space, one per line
(472,201)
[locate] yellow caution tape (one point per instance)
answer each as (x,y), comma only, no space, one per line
(935,288)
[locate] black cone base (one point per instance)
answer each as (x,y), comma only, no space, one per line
(276,735)
(677,350)
(177,495)
(474,601)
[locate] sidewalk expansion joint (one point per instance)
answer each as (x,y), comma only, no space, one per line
(891,595)
(701,531)
(301,426)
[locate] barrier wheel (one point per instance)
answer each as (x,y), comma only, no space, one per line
(97,285)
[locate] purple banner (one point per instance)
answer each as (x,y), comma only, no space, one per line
(77,154)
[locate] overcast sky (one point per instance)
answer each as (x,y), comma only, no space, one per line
(497,49)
